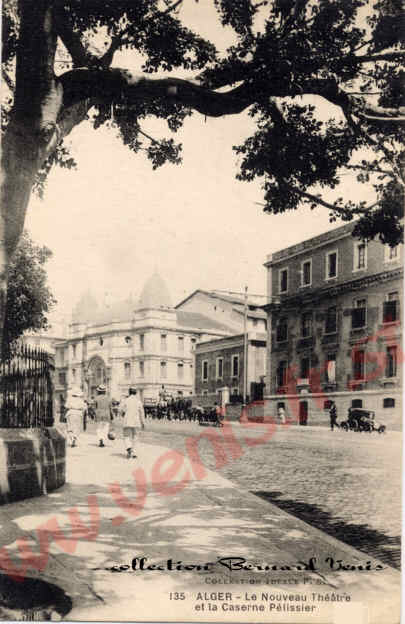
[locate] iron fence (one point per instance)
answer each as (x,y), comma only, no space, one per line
(26,389)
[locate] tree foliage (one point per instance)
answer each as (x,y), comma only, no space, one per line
(322,80)
(29,299)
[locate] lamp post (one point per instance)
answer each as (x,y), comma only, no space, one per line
(245,346)
(269,299)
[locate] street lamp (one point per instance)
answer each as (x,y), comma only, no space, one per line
(269,299)
(245,346)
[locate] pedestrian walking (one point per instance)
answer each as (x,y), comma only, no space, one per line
(85,415)
(103,415)
(76,408)
(333,415)
(134,420)
(281,415)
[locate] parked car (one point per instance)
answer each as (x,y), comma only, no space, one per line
(359,419)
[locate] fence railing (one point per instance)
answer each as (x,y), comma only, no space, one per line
(26,389)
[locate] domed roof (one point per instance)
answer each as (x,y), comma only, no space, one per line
(155,294)
(85,309)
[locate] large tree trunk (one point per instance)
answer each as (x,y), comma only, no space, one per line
(31,133)
(18,169)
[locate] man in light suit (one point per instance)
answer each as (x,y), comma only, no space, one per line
(134,420)
(103,414)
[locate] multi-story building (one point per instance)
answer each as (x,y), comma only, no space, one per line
(334,328)
(147,344)
(220,366)
(228,309)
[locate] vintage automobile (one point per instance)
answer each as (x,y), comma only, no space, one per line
(359,419)
(208,416)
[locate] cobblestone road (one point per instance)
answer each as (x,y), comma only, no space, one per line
(346,484)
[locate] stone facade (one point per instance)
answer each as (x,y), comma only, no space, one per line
(228,309)
(334,328)
(219,364)
(147,344)
(33,462)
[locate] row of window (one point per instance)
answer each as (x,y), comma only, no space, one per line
(309,373)
(180,370)
(390,314)
(141,345)
(163,369)
(356,403)
(98,378)
(331,266)
(219,368)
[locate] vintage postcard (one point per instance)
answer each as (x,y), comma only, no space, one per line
(201,274)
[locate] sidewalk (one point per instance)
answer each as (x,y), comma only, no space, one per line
(204,520)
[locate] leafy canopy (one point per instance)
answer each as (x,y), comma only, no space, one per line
(29,299)
(321,79)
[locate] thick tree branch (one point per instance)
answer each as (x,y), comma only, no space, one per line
(335,208)
(71,40)
(371,169)
(385,56)
(378,113)
(114,84)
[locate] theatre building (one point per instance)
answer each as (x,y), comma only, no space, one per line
(147,343)
(335,328)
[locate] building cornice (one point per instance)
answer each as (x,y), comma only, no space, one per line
(149,357)
(316,395)
(336,289)
(309,245)
(230,341)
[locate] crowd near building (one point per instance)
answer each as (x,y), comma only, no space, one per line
(330,331)
(148,344)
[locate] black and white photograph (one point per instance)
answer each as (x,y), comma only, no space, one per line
(201,298)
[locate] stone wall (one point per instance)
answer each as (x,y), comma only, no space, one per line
(32,462)
(233,412)
(391,417)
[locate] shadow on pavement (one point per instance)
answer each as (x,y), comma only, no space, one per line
(186,527)
(374,543)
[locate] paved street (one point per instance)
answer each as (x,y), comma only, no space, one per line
(347,484)
(113,510)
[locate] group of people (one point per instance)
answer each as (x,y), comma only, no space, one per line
(332,415)
(171,409)
(130,410)
(182,410)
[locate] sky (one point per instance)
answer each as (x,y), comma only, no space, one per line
(115,221)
